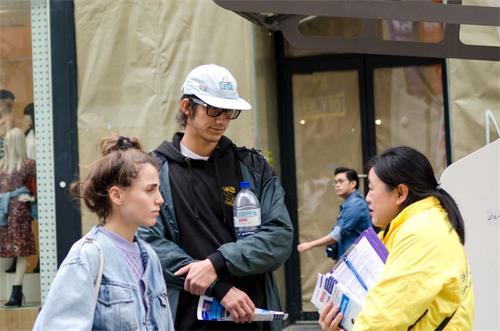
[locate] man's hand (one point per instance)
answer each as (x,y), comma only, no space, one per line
(239,305)
(304,247)
(330,318)
(199,276)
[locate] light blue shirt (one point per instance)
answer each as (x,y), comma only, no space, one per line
(71,304)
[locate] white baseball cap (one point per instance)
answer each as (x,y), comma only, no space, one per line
(216,86)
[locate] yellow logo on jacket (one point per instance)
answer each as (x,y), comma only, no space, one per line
(229,195)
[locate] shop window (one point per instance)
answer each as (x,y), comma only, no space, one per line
(19,244)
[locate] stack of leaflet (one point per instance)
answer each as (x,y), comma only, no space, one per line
(352,276)
(209,309)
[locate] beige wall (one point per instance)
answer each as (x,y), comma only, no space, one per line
(474,87)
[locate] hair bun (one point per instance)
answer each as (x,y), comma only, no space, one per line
(119,143)
(124,143)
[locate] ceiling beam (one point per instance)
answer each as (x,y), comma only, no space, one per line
(416,11)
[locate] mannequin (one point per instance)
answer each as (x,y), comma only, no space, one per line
(28,127)
(6,103)
(16,238)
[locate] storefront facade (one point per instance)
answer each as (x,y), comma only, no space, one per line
(95,68)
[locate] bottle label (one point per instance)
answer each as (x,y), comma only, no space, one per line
(247,218)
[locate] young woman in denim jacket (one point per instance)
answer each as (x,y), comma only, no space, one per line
(122,188)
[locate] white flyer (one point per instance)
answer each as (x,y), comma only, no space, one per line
(209,309)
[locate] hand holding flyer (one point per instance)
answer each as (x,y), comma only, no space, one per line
(209,309)
(350,279)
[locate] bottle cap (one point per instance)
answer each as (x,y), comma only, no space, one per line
(244,185)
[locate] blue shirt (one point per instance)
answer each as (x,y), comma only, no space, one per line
(71,303)
(354,218)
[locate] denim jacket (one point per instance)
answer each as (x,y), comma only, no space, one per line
(354,218)
(71,302)
(5,201)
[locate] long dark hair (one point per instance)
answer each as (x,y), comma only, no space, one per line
(405,165)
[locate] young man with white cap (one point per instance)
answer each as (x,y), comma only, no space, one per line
(194,236)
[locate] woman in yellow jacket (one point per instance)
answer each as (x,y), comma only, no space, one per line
(426,282)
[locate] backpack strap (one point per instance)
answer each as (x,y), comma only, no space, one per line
(418,320)
(101,265)
(445,321)
(441,326)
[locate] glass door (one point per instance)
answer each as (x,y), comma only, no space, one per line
(327,130)
(340,110)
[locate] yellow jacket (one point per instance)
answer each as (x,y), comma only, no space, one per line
(426,270)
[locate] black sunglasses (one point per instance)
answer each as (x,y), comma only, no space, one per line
(231,114)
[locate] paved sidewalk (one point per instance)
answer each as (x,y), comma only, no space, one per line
(303,326)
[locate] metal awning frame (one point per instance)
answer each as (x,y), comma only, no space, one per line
(287,14)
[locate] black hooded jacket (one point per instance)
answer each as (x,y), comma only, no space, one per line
(197,223)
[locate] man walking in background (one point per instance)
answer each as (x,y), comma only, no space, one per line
(354,216)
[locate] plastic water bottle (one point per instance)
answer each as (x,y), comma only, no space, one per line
(246,212)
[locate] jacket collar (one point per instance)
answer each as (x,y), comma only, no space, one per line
(408,212)
(118,264)
(354,195)
(351,197)
(173,151)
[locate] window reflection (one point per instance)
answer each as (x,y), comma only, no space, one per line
(339,27)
